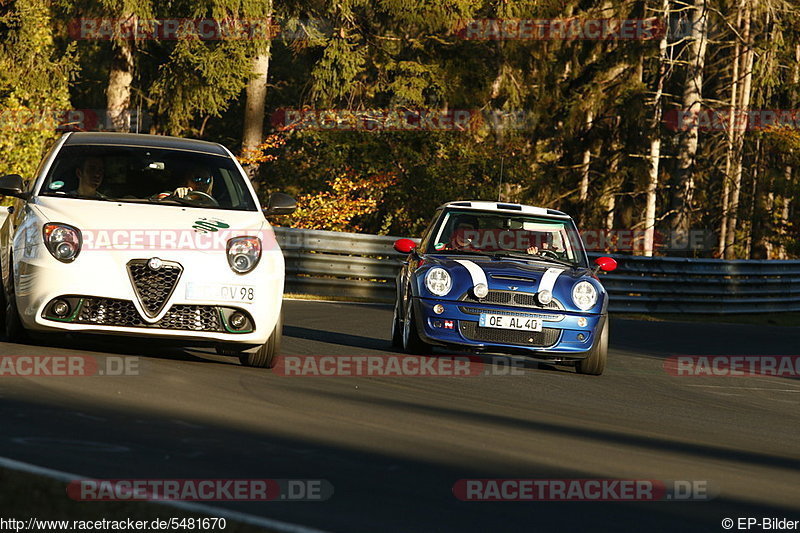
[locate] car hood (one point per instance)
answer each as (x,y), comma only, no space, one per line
(506,270)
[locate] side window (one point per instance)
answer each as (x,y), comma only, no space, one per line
(426,235)
(31,180)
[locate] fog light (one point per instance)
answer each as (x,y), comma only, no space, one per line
(582,322)
(237,320)
(438,309)
(581,337)
(60,308)
(544,297)
(481,290)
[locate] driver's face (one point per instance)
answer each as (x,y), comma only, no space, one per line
(91,173)
(461,234)
(199,180)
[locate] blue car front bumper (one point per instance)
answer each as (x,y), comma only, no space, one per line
(458,326)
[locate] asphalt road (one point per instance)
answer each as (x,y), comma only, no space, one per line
(394,447)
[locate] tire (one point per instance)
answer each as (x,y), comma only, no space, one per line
(265,356)
(595,363)
(412,343)
(12,331)
(397,327)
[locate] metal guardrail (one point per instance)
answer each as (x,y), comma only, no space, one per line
(326,263)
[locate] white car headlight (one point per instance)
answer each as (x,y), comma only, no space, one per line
(481,290)
(244,253)
(438,281)
(584,295)
(63,241)
(544,297)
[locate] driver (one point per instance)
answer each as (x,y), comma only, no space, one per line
(196,178)
(543,242)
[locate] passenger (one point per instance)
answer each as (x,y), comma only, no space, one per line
(90,176)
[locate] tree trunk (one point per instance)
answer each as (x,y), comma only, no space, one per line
(692,101)
(784,216)
(744,106)
(118,92)
(253,131)
(755,248)
(586,163)
(655,143)
(731,136)
(789,171)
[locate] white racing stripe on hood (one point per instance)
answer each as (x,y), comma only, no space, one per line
(476,273)
(549,279)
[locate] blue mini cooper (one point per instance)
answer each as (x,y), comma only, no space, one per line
(507,278)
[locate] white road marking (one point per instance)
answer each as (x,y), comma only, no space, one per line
(217,512)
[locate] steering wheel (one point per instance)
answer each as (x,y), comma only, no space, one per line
(202,198)
(549,253)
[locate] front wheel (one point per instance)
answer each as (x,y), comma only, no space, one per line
(265,356)
(412,343)
(397,327)
(12,331)
(595,363)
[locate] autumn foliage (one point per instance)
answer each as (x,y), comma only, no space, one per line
(347,198)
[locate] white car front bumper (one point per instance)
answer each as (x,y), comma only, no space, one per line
(99,281)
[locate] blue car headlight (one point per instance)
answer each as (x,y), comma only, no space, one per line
(438,281)
(584,295)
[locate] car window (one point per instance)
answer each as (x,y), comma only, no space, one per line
(492,233)
(147,175)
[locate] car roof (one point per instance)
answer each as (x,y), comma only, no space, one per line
(142,140)
(504,207)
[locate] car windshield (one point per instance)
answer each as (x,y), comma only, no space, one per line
(508,235)
(147,175)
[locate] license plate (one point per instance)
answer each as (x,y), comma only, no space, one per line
(215,292)
(521,323)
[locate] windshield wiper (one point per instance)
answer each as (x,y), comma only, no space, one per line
(533,257)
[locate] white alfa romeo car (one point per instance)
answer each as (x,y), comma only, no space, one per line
(147,236)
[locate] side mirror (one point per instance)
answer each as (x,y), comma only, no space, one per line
(280,204)
(404,246)
(13,185)
(606,264)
